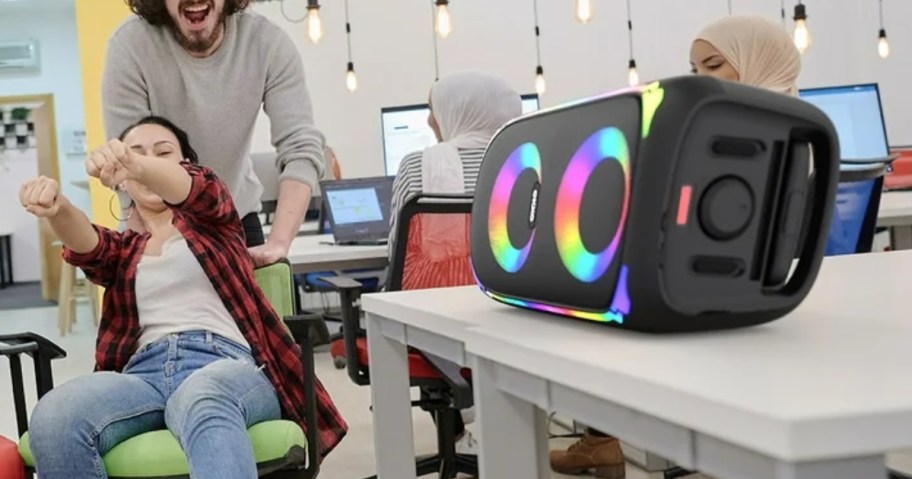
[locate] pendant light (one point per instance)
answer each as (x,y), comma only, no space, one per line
(633,77)
(434,40)
(802,33)
(314,22)
(351,79)
(583,11)
(443,23)
(883,45)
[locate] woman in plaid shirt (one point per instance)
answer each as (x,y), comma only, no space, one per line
(187,340)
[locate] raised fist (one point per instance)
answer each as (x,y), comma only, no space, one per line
(113,163)
(41,197)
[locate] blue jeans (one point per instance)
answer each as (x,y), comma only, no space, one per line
(205,389)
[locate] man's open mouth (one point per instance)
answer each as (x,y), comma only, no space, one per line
(196,14)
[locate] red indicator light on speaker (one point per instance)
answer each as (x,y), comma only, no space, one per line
(684,204)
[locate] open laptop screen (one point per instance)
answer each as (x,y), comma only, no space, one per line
(358,209)
(856,113)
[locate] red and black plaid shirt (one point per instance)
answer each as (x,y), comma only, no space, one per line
(209,222)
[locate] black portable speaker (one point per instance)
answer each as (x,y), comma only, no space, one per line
(684,205)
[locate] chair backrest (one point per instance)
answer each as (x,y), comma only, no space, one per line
(432,243)
(277,284)
(855,213)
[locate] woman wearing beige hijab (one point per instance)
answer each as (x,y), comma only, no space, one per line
(750,50)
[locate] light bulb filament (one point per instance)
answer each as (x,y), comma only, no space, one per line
(883,45)
(444,25)
(314,24)
(584,10)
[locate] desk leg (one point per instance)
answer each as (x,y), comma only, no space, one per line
(6,262)
(513,433)
(901,237)
(390,396)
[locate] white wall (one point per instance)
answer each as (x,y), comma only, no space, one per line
(16,167)
(55,30)
(394,61)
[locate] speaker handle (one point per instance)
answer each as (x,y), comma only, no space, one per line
(804,222)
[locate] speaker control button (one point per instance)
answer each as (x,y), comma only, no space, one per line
(726,208)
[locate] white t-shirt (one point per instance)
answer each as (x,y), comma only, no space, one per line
(173,295)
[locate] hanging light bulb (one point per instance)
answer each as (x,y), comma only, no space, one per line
(443,23)
(883,45)
(633,77)
(584,11)
(351,80)
(802,34)
(314,23)
(540,84)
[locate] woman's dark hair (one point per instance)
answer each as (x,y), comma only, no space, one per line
(155,12)
(186,150)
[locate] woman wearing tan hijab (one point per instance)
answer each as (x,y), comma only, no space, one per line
(750,50)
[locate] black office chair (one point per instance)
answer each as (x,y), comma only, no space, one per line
(854,222)
(415,264)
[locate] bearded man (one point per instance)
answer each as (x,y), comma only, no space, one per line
(209,66)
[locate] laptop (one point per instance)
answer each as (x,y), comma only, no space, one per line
(358,209)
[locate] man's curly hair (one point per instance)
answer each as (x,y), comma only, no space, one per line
(155,12)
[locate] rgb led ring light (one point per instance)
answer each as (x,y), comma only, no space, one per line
(525,157)
(605,144)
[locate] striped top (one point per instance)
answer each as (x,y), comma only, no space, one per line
(408,182)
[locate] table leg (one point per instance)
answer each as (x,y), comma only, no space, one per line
(6,262)
(391,399)
(513,433)
(901,237)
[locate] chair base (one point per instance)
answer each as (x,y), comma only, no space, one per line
(447,469)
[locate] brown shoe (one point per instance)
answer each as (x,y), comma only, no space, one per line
(601,454)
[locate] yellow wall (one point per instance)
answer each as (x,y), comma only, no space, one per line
(96,20)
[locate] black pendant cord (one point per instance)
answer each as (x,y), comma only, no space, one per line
(782,10)
(629,30)
(348,32)
(537,32)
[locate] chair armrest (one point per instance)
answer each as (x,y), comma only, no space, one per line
(300,326)
(17,349)
(46,348)
(42,351)
(451,373)
(342,283)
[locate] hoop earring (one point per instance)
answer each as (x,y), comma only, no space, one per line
(111,209)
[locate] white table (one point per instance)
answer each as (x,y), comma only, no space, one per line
(410,318)
(307,228)
(313,253)
(821,393)
(896,213)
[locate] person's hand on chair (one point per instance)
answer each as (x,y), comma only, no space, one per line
(268,253)
(41,197)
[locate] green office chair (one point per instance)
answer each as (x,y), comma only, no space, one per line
(281,448)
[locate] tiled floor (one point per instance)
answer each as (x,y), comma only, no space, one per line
(355,456)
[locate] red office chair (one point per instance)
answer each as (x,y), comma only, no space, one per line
(431,251)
